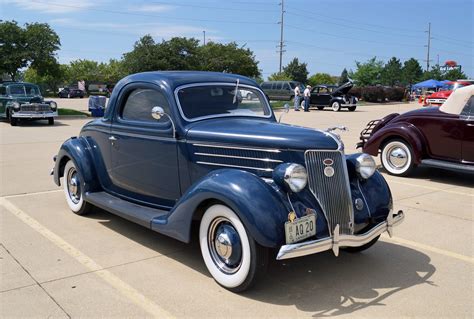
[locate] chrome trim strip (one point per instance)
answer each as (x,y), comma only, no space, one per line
(222,115)
(334,242)
(34,115)
(236,166)
(238,148)
(267,160)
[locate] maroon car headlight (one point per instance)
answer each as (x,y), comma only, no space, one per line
(365,166)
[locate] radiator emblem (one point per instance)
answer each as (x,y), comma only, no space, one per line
(328,170)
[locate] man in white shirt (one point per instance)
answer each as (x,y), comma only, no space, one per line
(297,97)
(307,95)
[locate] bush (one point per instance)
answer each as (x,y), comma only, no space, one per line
(395,93)
(373,94)
(356,91)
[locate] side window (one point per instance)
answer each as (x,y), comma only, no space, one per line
(139,104)
(286,86)
(3,90)
(266,86)
(468,109)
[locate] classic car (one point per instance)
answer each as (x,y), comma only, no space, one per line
(440,137)
(333,96)
(23,101)
(438,98)
(177,150)
(71,93)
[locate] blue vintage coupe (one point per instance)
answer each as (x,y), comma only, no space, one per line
(178,147)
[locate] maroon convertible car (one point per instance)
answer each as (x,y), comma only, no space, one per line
(439,137)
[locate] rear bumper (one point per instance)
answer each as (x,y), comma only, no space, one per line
(34,115)
(337,240)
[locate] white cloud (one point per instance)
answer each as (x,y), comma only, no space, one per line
(64,6)
(152,8)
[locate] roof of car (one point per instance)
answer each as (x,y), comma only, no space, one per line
(457,100)
(5,83)
(173,79)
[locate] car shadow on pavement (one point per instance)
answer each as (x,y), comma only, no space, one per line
(321,284)
(438,175)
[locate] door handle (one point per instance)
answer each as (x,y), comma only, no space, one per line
(112,138)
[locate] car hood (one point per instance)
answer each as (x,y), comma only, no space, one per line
(440,94)
(259,133)
(343,89)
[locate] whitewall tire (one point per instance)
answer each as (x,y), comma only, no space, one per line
(336,106)
(73,190)
(231,255)
(397,158)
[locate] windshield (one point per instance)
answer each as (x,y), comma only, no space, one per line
(218,100)
(24,90)
(452,87)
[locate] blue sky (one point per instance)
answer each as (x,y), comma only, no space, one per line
(328,35)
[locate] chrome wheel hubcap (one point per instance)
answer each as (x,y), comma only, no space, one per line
(397,157)
(73,186)
(225,245)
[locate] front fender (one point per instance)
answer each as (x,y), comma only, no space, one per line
(76,149)
(260,207)
(405,131)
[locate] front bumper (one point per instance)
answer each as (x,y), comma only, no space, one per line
(348,105)
(338,240)
(34,115)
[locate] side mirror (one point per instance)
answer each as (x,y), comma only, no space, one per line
(157,112)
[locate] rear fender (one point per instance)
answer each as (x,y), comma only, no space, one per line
(77,150)
(405,131)
(260,207)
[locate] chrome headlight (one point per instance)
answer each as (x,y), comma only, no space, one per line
(292,176)
(53,105)
(365,166)
(16,106)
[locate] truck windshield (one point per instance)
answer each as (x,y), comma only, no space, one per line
(24,90)
(220,100)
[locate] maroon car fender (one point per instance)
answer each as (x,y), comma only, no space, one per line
(400,130)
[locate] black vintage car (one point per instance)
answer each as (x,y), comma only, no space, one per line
(333,96)
(71,93)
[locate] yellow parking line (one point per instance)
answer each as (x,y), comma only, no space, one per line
(430,248)
(429,187)
(125,289)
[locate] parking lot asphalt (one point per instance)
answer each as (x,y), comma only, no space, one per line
(57,264)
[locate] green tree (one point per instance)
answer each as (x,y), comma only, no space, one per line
(321,78)
(344,78)
(454,74)
(435,73)
(143,57)
(112,71)
(49,81)
(411,72)
(392,72)
(279,77)
(228,58)
(296,71)
(33,45)
(86,70)
(368,73)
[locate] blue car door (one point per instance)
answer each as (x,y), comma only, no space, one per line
(143,149)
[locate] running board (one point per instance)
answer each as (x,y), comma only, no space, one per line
(139,214)
(448,165)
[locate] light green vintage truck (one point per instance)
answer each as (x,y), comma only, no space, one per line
(20,101)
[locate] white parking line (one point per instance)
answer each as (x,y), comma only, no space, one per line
(429,187)
(32,194)
(125,289)
(443,252)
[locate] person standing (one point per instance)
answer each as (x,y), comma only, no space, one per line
(297,97)
(307,95)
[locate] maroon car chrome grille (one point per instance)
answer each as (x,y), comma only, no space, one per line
(329,183)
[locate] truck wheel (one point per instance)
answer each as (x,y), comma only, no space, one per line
(352,108)
(72,186)
(13,120)
(361,248)
(231,255)
(397,158)
(51,121)
(336,106)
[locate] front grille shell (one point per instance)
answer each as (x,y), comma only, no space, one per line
(332,193)
(35,108)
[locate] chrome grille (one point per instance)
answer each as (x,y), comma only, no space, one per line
(332,193)
(35,108)
(237,157)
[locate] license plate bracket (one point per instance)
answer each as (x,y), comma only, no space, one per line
(301,228)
